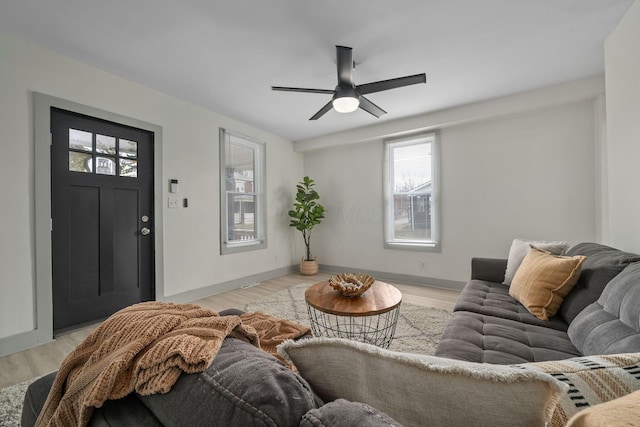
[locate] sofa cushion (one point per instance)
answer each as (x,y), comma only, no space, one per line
(243,386)
(477,338)
(611,324)
(126,411)
(343,413)
(424,390)
(35,397)
(519,250)
(603,263)
(543,280)
(493,299)
(591,380)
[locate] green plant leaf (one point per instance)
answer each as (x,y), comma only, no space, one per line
(307,212)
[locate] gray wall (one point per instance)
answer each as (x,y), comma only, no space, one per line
(622,62)
(529,174)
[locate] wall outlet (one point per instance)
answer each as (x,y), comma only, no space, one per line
(173,203)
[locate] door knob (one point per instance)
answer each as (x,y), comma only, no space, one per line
(145,231)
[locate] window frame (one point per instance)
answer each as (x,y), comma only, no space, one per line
(433,245)
(259,188)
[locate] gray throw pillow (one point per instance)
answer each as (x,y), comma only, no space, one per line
(243,386)
(520,248)
(342,413)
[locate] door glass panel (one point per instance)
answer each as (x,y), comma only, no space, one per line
(105,165)
(80,162)
(128,168)
(128,148)
(105,144)
(80,140)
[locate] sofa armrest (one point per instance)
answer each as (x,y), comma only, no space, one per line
(488,269)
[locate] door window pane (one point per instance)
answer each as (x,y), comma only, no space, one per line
(128,148)
(81,152)
(106,144)
(80,162)
(80,140)
(129,168)
(105,166)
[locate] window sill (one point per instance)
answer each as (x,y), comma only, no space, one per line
(413,246)
(233,248)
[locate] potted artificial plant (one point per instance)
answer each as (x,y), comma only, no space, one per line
(306,214)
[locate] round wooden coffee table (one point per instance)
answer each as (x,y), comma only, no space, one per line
(369,318)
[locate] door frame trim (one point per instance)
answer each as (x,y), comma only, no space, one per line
(43,310)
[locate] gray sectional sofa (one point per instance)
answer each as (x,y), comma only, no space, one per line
(600,315)
(245,386)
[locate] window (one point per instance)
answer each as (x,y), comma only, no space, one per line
(111,155)
(242,216)
(411,193)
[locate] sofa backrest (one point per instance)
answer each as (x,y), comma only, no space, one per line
(611,324)
(603,263)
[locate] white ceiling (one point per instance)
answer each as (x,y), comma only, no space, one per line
(226,54)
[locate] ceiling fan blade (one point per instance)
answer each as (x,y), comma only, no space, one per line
(370,107)
(299,89)
(344,60)
(391,84)
(328,106)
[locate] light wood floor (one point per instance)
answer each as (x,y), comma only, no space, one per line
(27,364)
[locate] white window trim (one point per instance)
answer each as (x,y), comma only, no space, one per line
(260,220)
(435,244)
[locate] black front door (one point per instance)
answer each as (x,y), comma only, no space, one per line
(102,219)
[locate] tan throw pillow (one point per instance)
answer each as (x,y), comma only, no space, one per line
(543,280)
(624,411)
(420,390)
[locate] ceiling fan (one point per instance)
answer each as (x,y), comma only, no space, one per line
(347,96)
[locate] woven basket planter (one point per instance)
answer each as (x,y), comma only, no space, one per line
(308,268)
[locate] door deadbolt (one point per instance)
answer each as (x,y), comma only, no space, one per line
(144,218)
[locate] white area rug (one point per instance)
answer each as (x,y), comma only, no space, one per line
(11,399)
(418,330)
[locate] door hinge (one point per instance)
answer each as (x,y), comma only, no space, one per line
(51,224)
(50,138)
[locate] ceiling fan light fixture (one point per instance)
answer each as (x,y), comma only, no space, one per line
(346,104)
(346,101)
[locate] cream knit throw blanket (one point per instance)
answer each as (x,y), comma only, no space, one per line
(142,348)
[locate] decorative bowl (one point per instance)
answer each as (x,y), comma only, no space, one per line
(351,285)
